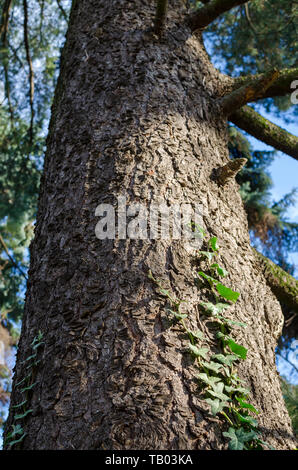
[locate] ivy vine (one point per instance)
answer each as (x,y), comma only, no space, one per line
(223,390)
(25,386)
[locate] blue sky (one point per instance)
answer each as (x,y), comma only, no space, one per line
(284,173)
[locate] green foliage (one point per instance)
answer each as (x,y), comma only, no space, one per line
(290,393)
(19,180)
(270,230)
(256,37)
(20,159)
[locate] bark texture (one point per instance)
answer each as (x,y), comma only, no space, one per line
(135,115)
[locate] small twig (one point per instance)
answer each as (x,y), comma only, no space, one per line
(289,362)
(62,10)
(161,16)
(11,258)
(31,73)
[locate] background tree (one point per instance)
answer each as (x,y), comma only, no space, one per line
(44,96)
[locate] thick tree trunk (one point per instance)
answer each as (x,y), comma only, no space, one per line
(135,115)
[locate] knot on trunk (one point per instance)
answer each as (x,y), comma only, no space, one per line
(227,172)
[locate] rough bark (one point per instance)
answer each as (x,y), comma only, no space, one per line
(135,115)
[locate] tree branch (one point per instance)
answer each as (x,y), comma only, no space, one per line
(209,12)
(3,36)
(31,73)
(250,91)
(283,285)
(263,129)
(160,16)
(4,19)
(280,87)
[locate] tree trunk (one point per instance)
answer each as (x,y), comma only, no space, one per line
(135,114)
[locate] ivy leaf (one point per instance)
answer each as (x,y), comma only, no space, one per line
(221,271)
(214,309)
(235,443)
(244,404)
(232,322)
(198,334)
(28,388)
(247,419)
(227,360)
(29,358)
(208,380)
(178,315)
(164,292)
(39,337)
(207,254)
(243,390)
(266,444)
(23,380)
(17,429)
(213,243)
(216,405)
(210,279)
(238,437)
(23,415)
(236,348)
(226,292)
(20,404)
(214,366)
(236,380)
(38,344)
(17,440)
(198,351)
(217,392)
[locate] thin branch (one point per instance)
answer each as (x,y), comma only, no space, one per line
(62,10)
(7,93)
(261,128)
(41,21)
(15,54)
(31,73)
(283,285)
(251,91)
(11,258)
(160,16)
(209,12)
(288,361)
(256,34)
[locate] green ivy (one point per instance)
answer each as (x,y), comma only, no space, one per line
(224,391)
(17,434)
